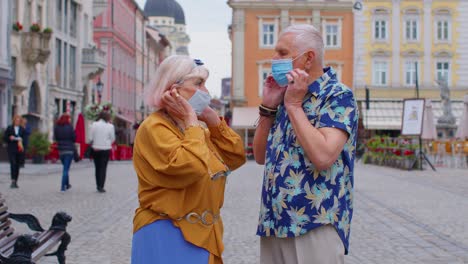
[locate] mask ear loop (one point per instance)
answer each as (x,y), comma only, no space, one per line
(300,55)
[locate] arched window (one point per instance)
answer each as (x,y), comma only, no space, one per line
(34,99)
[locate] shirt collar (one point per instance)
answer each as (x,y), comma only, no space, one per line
(328,74)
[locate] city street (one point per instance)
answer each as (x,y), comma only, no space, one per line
(399,217)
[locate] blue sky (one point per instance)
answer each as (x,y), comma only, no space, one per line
(207,22)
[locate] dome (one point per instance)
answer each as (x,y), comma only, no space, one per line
(179,15)
(166,8)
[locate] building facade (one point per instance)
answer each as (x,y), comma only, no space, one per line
(157,48)
(255,29)
(401,43)
(5,63)
(168,17)
(54,61)
(115,32)
(30,53)
(75,60)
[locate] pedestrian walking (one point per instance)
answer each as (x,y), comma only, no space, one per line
(101,136)
(13,136)
(64,135)
(181,168)
(306,137)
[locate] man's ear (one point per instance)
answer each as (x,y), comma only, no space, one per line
(310,60)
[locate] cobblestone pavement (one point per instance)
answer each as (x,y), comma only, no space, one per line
(400,216)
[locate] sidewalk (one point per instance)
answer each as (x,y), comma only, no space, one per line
(51,168)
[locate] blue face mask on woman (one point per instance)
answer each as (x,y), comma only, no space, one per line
(280,67)
(199,101)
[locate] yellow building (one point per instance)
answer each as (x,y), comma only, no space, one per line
(397,40)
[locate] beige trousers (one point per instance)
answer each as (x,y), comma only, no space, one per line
(321,245)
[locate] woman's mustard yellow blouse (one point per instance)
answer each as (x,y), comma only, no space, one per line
(174,171)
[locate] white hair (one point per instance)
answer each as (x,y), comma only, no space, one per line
(173,70)
(307,37)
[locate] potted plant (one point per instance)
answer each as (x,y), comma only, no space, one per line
(35,27)
(92,111)
(47,30)
(39,146)
(17,26)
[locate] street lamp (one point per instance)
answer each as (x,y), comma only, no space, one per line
(99,87)
(142,111)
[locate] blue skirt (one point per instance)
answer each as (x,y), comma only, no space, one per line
(162,243)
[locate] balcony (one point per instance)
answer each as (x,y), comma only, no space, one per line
(35,47)
(99,6)
(93,62)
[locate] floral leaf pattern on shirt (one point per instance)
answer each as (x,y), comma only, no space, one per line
(296,197)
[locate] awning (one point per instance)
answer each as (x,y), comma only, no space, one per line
(124,118)
(386,115)
(244,117)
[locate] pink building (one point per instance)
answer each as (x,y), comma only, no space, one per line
(116,32)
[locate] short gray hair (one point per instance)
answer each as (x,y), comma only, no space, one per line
(307,37)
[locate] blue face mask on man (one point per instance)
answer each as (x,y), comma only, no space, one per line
(199,101)
(280,67)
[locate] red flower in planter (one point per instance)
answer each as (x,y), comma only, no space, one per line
(408,152)
(397,152)
(17,26)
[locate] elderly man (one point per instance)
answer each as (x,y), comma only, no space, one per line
(306,137)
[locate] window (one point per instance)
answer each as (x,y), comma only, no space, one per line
(73,19)
(263,74)
(72,74)
(332,39)
(86,28)
(65,17)
(380,73)
(268,34)
(65,56)
(13,68)
(443,71)
(58,61)
(39,15)
(443,29)
(58,12)
(14,10)
(380,29)
(27,15)
(410,72)
(411,29)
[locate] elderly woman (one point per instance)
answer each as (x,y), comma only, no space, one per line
(182,169)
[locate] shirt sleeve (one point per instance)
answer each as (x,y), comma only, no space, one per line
(229,145)
(112,133)
(340,111)
(166,160)
(91,133)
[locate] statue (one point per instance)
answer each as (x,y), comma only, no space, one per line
(447,116)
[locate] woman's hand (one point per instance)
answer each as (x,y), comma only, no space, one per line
(297,88)
(210,117)
(178,107)
(273,94)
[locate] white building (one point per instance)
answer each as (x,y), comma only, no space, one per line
(5,63)
(169,19)
(75,60)
(53,70)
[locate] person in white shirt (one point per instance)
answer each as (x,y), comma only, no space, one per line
(102,135)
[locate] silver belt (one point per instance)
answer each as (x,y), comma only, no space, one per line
(206,218)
